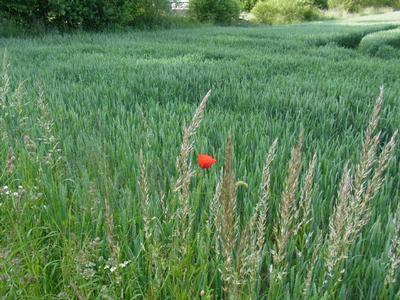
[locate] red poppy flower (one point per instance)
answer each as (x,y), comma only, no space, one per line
(205,161)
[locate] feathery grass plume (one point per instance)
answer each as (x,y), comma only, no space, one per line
(353,209)
(394,252)
(368,153)
(184,169)
(377,178)
(287,212)
(215,205)
(265,192)
(337,223)
(144,188)
(187,145)
(310,270)
(5,80)
(254,233)
(215,216)
(305,200)
(253,236)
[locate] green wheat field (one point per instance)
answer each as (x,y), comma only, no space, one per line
(101,196)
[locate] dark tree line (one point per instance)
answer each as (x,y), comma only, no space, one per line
(87,14)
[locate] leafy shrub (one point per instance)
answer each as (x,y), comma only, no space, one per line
(217,11)
(61,13)
(11,28)
(355,5)
(21,10)
(143,11)
(283,11)
(346,5)
(384,44)
(381,3)
(79,13)
(321,3)
(247,5)
(86,14)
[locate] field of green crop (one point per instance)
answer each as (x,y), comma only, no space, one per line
(91,129)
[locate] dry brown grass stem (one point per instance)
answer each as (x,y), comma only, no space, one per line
(394,252)
(145,203)
(215,217)
(288,204)
(229,226)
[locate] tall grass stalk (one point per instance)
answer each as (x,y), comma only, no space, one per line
(353,209)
